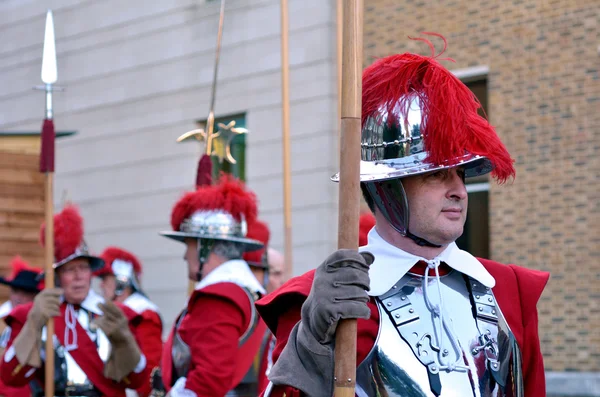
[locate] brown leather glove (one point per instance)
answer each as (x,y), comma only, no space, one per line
(125,353)
(28,343)
(339,291)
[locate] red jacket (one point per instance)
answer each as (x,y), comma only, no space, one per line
(217,316)
(148,333)
(86,356)
(517,291)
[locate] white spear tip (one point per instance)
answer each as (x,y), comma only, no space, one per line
(49,72)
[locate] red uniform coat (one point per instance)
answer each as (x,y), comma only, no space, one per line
(517,292)
(148,332)
(217,316)
(86,356)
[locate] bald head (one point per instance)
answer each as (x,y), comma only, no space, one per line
(276,269)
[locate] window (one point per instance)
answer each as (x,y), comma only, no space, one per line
(476,235)
(237,147)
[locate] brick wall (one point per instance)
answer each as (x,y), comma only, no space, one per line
(544,99)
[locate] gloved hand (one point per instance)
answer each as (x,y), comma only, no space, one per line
(339,291)
(125,353)
(28,343)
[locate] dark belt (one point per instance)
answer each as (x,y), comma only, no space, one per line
(75,391)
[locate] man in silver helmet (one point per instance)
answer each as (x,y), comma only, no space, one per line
(215,339)
(121,282)
(433,320)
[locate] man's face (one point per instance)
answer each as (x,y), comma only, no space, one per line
(74,278)
(191,257)
(276,268)
(18,296)
(438,205)
(108,285)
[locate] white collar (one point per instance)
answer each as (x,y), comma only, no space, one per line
(392,263)
(5,309)
(234,271)
(139,303)
(90,303)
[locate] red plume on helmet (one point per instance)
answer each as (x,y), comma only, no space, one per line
(366,223)
(228,195)
(450,123)
(257,231)
(110,254)
(68,232)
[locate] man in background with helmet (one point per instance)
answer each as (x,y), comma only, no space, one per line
(214,341)
(432,319)
(121,282)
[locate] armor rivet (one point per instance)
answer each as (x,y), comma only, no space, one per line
(397,315)
(334,378)
(477,297)
(434,368)
(394,287)
(411,310)
(349,380)
(389,303)
(493,312)
(489,332)
(474,285)
(480,308)
(474,352)
(445,352)
(403,298)
(490,299)
(495,365)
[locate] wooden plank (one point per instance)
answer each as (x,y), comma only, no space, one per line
(20,219)
(24,177)
(19,234)
(30,206)
(20,161)
(20,190)
(11,248)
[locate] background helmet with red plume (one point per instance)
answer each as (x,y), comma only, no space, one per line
(417,117)
(69,243)
(259,231)
(23,276)
(124,266)
(219,212)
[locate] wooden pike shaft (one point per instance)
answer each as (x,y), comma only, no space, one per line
(285,108)
(49,281)
(349,193)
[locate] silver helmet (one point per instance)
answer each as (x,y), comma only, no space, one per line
(417,117)
(125,276)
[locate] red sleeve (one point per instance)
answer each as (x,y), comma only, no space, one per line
(11,372)
(218,316)
(531,285)
(148,334)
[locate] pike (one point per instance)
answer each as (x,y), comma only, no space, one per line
(49,77)
(349,188)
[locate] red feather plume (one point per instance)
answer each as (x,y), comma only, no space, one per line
(257,231)
(450,122)
(228,195)
(111,254)
(366,223)
(18,264)
(68,232)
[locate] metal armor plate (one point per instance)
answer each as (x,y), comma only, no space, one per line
(411,348)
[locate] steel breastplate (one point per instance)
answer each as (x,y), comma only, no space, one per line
(67,371)
(181,353)
(405,360)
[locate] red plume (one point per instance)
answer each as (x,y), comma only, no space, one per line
(450,122)
(68,232)
(18,264)
(111,254)
(257,231)
(229,195)
(366,223)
